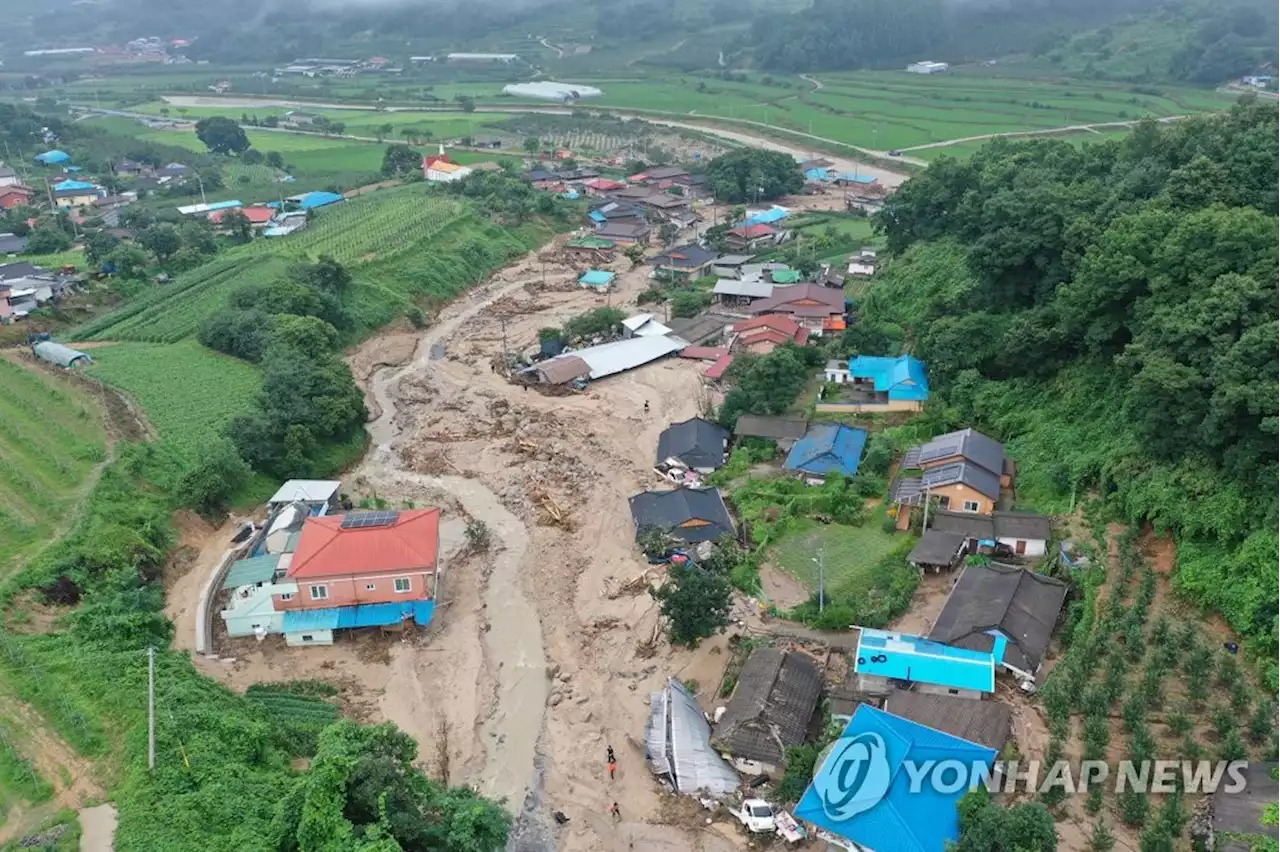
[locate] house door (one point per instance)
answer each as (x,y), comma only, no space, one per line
(1020,547)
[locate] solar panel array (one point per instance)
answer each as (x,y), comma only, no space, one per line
(941,449)
(365,520)
(944,475)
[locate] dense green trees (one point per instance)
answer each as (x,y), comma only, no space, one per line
(1111,310)
(222,135)
(401,160)
(766,384)
(363,793)
(754,175)
(695,601)
(988,827)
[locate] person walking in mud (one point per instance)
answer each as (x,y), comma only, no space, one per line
(615,813)
(646,406)
(612,760)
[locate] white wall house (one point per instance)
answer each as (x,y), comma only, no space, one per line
(927,67)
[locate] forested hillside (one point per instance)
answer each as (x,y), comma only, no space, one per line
(1110,311)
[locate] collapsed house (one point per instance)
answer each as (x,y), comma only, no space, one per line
(774,700)
(677,746)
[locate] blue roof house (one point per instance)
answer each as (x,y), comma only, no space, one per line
(312,200)
(598,279)
(53,158)
(825,449)
(863,792)
(925,665)
(73,184)
(887,384)
(767,217)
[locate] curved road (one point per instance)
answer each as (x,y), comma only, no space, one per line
(513,641)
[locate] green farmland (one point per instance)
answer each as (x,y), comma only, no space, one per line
(51,436)
(189,392)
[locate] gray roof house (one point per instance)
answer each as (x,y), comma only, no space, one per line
(938,549)
(690,514)
(967,444)
(1021,605)
(984,722)
(997,525)
(696,443)
(12,244)
(772,705)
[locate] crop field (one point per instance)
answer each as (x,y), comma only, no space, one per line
(188,392)
(372,235)
(51,436)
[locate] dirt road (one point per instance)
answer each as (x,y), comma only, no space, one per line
(561,609)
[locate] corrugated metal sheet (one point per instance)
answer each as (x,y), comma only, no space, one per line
(751,289)
(678,745)
(609,358)
(246,572)
(364,615)
(306,490)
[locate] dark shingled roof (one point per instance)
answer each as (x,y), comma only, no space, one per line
(777,693)
(696,442)
(985,722)
(936,548)
(998,525)
(670,509)
(968,444)
(1241,813)
(759,426)
(1022,605)
(689,256)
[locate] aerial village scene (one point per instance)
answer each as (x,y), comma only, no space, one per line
(586,478)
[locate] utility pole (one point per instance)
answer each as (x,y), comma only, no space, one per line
(151,708)
(924,523)
(200,181)
(821,560)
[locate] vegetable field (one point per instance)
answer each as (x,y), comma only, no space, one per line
(188,392)
(51,437)
(297,710)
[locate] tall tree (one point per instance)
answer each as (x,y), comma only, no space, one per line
(222,135)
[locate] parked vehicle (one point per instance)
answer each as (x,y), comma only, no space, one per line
(757,816)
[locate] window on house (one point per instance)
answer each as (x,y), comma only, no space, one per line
(944,501)
(319,593)
(953,691)
(402,584)
(971,505)
(307,637)
(287,596)
(369,587)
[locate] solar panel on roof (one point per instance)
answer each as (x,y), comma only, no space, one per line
(365,520)
(942,475)
(940,450)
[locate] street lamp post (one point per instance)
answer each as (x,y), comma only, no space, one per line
(821,561)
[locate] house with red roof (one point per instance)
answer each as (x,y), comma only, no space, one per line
(358,569)
(762,335)
(258,216)
(748,237)
(817,308)
(14,195)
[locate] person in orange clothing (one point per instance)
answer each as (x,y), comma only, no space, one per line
(612,760)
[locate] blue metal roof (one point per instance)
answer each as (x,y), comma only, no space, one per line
(913,658)
(311,200)
(856,178)
(222,205)
(256,569)
(54,156)
(817,174)
(73,184)
(596,278)
(597,216)
(862,790)
(828,448)
(903,378)
(362,615)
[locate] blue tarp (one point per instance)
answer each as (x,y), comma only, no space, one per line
(362,615)
(73,184)
(828,448)
(851,177)
(312,200)
(767,217)
(913,658)
(862,791)
(596,278)
(52,157)
(597,216)
(902,378)
(817,174)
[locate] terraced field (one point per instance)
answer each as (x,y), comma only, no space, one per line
(51,436)
(189,392)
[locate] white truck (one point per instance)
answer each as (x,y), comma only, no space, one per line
(757,816)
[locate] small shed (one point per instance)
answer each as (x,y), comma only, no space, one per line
(598,279)
(62,356)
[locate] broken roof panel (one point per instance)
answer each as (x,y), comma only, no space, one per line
(619,355)
(775,697)
(677,745)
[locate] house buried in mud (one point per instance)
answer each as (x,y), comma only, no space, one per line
(309,576)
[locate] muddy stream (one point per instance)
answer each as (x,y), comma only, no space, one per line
(513,641)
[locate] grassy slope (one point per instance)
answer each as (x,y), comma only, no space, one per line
(849,552)
(51,436)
